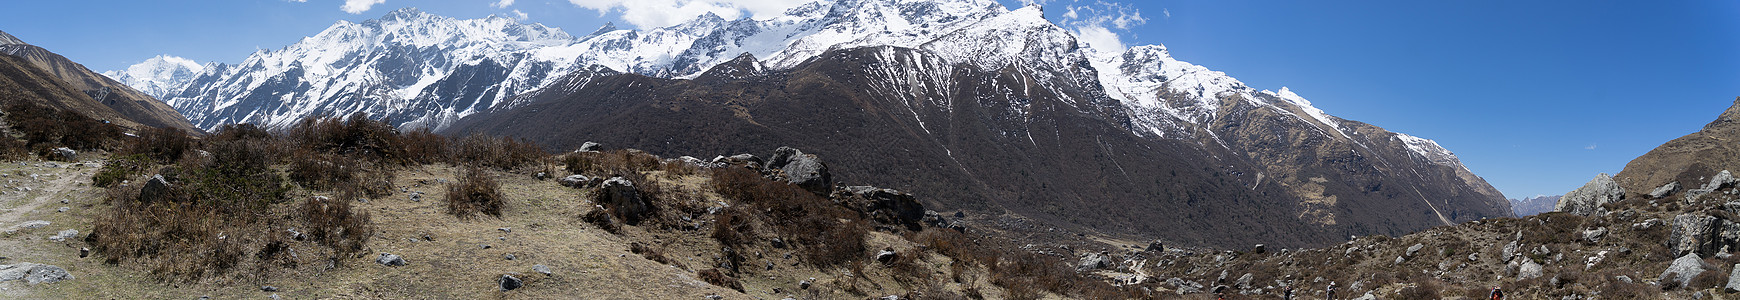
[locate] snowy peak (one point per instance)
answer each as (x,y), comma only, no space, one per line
(8,39)
(1429,150)
(159,76)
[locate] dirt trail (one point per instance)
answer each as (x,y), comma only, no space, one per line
(42,193)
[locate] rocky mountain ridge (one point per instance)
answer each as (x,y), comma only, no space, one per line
(97,96)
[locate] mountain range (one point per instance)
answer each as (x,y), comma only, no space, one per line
(972,105)
(53,80)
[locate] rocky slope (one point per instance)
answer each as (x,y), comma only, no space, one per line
(1533,205)
(983,93)
(1688,161)
(117,101)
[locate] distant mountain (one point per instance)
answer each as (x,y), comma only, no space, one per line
(1533,205)
(118,102)
(159,76)
(968,103)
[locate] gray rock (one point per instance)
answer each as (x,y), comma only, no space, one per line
(64,235)
(509,282)
(1594,235)
(1721,180)
(1529,269)
(577,181)
(34,273)
(1685,268)
(155,189)
(1156,246)
(890,297)
(591,147)
(803,170)
(886,256)
(1244,281)
(886,206)
(1733,285)
(1415,249)
(805,284)
(746,160)
(1664,190)
(1692,234)
(1093,261)
(619,195)
(66,154)
(268,288)
(1623,278)
(1259,249)
(388,259)
(1400,259)
(1587,200)
(33,224)
(1510,251)
(63,209)
(1184,286)
(541,269)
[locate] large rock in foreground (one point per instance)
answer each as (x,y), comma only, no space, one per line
(1587,200)
(804,170)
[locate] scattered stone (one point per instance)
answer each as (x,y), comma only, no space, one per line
(509,282)
(1400,259)
(886,256)
(34,273)
(1156,246)
(1721,180)
(541,269)
(155,188)
(591,147)
(33,224)
(890,297)
(62,209)
(577,181)
(1473,257)
(1623,278)
(1587,200)
(64,235)
(1528,270)
(509,256)
(84,252)
(1594,235)
(1259,249)
(1685,268)
(1184,286)
(885,206)
(714,297)
(777,243)
(296,235)
(619,195)
(805,284)
(1664,190)
(1415,249)
(1244,282)
(485,246)
(390,260)
(66,154)
(268,288)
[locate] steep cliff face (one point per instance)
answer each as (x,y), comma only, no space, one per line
(1690,160)
(128,104)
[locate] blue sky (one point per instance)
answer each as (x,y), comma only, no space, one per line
(1535,96)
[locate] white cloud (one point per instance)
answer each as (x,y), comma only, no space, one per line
(1590,147)
(1101,39)
(520,15)
(1167,12)
(1094,24)
(660,13)
(359,6)
(502,4)
(297,1)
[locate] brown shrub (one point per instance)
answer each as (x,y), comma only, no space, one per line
(425,147)
(810,221)
(120,168)
(1425,289)
(500,153)
(648,252)
(321,171)
(160,144)
(474,192)
(356,136)
(332,223)
(717,278)
(602,219)
(46,128)
(13,149)
(613,162)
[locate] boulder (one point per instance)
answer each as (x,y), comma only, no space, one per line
(1259,249)
(65,154)
(741,160)
(508,282)
(1094,261)
(1684,268)
(805,284)
(32,224)
(1415,249)
(886,256)
(803,170)
(886,206)
(1664,190)
(388,259)
(1510,251)
(1692,234)
(1733,285)
(1594,235)
(1587,200)
(591,147)
(541,269)
(619,196)
(64,235)
(1184,286)
(1156,246)
(155,189)
(1529,269)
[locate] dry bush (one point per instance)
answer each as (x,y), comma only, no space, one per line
(599,217)
(613,162)
(1709,279)
(500,153)
(717,278)
(732,227)
(332,223)
(425,147)
(1425,289)
(13,149)
(121,168)
(474,192)
(45,128)
(321,171)
(649,252)
(809,221)
(160,144)
(356,136)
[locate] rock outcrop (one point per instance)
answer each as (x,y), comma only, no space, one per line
(885,206)
(619,196)
(1587,200)
(804,170)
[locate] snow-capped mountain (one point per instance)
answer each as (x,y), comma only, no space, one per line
(158,76)
(931,58)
